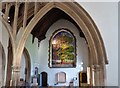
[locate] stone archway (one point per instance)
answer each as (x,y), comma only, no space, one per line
(9,30)
(2,66)
(25,68)
(27,65)
(84,21)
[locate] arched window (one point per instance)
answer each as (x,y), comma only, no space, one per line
(62,52)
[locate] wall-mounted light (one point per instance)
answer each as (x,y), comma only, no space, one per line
(8,21)
(8,17)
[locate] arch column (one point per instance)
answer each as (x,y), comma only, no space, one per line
(15,67)
(9,63)
(2,65)
(98,75)
(15,75)
(28,65)
(15,19)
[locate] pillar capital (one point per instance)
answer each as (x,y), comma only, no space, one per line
(98,75)
(8,5)
(16,68)
(15,75)
(17,4)
(96,67)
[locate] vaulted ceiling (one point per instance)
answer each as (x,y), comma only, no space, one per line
(48,19)
(39,31)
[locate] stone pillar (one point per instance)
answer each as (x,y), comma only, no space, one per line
(1,82)
(98,75)
(15,19)
(16,66)
(103,75)
(91,76)
(15,75)
(25,15)
(9,63)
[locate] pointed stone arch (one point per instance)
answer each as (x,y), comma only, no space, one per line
(9,30)
(2,66)
(27,65)
(81,17)
(83,20)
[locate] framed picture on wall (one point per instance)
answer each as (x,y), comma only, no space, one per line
(62,49)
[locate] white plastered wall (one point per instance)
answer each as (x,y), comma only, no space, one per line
(40,55)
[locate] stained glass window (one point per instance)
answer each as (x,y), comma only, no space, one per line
(62,49)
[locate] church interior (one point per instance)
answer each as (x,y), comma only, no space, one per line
(58,43)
